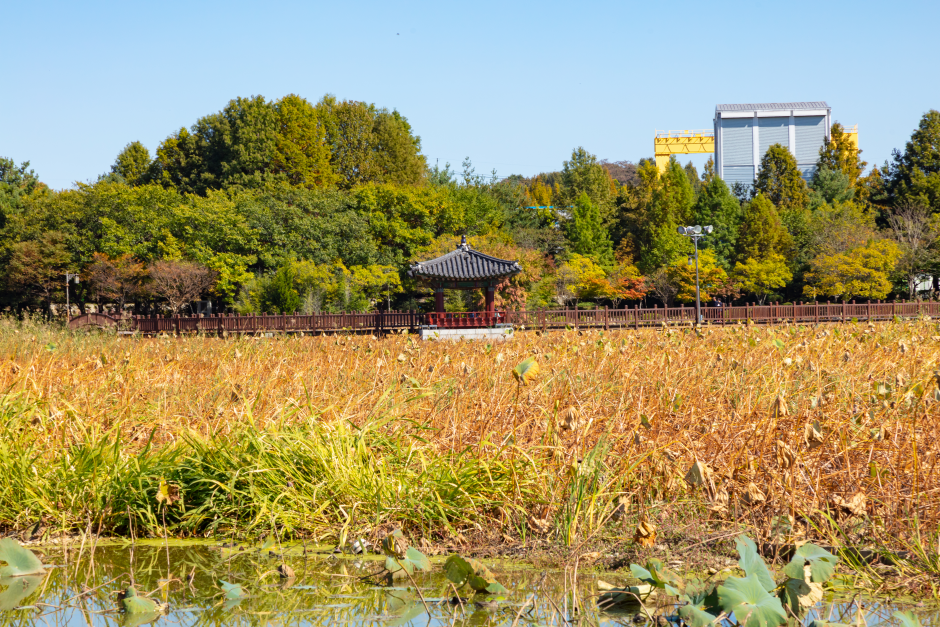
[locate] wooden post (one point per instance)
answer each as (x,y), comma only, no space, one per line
(636,317)
(606,319)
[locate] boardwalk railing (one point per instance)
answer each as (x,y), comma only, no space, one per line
(636,317)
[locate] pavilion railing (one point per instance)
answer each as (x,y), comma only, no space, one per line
(599,317)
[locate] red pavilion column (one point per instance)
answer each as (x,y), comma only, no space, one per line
(439,299)
(490,299)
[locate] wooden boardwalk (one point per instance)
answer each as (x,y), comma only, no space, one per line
(544,319)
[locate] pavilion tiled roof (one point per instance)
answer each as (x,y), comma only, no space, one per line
(464,264)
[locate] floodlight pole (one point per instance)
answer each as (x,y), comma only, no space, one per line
(698,301)
(695,233)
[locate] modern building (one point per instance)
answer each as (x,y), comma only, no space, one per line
(744,132)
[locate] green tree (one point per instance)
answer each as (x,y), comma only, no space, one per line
(582,174)
(762,232)
(279,294)
(674,198)
(234,147)
(586,233)
(762,277)
(779,179)
(242,143)
(914,175)
(648,215)
(398,157)
(301,152)
(718,207)
(179,163)
(664,246)
(692,174)
(859,273)
(18,185)
(132,164)
(830,186)
(348,126)
(35,269)
(840,155)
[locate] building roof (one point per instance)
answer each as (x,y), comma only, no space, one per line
(464,263)
(772,106)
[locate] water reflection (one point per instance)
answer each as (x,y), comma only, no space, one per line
(326,590)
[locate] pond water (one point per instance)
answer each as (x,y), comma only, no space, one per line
(81,589)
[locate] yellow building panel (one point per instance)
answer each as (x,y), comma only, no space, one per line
(851,133)
(669,143)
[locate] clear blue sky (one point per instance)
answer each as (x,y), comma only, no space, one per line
(514,86)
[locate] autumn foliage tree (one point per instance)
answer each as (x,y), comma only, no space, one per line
(180,282)
(863,272)
(118,279)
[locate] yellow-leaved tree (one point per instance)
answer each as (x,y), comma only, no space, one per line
(713,280)
(761,276)
(858,273)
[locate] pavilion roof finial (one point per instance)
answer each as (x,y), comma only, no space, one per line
(463,241)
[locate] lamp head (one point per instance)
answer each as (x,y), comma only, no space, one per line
(681,230)
(709,229)
(697,229)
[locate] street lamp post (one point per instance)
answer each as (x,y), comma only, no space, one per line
(68,308)
(695,233)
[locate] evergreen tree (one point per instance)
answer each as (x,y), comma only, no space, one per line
(673,200)
(279,295)
(582,174)
(398,151)
(17,186)
(586,233)
(762,232)
(301,152)
(779,179)
(132,164)
(830,186)
(718,207)
(692,174)
(839,154)
(914,175)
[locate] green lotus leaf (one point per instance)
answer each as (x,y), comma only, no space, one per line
(394,565)
(134,604)
(750,602)
(20,561)
(457,569)
(752,564)
(822,563)
(419,559)
(657,575)
(695,617)
(460,571)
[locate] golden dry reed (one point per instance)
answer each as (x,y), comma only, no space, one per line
(787,429)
